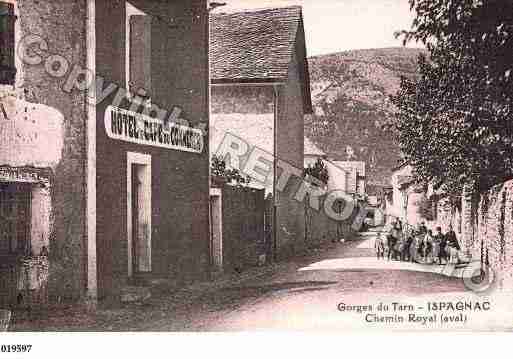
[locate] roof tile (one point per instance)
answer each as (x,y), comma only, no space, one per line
(253,45)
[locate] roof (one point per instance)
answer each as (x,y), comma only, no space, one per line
(400,166)
(258,46)
(253,45)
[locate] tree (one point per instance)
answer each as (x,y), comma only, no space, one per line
(318,171)
(454,122)
(219,171)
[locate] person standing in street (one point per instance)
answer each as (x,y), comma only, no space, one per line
(452,247)
(427,245)
(406,250)
(451,238)
(392,238)
(444,254)
(379,246)
(415,246)
(437,245)
(423,228)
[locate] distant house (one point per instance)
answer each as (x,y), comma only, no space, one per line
(261,93)
(406,196)
(338,177)
(356,176)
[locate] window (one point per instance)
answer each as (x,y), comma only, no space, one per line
(139,53)
(7,21)
(14,219)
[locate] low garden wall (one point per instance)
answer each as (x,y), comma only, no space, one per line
(243,226)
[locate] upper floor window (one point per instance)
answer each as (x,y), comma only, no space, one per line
(7,43)
(139,53)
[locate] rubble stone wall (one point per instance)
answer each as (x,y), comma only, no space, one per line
(484,227)
(493,229)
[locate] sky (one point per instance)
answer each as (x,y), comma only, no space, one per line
(339,25)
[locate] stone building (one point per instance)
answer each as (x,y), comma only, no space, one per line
(337,177)
(93,164)
(356,176)
(405,197)
(260,80)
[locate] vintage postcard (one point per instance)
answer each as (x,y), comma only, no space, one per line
(246,165)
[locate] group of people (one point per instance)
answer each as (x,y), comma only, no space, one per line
(419,245)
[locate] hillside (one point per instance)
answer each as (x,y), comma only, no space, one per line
(350,92)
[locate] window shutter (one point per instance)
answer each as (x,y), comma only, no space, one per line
(140,54)
(7,67)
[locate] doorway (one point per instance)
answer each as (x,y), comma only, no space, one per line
(216,229)
(136,194)
(15,225)
(139,205)
(14,220)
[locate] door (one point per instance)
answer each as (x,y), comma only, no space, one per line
(14,220)
(216,230)
(139,212)
(136,183)
(14,235)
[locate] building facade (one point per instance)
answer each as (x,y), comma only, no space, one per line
(338,177)
(406,199)
(104,116)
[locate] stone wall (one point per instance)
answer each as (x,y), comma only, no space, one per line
(484,227)
(469,209)
(319,228)
(243,227)
(493,229)
(61,23)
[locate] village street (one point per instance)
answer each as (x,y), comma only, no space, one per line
(305,294)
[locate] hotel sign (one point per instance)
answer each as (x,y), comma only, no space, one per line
(141,129)
(24,175)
